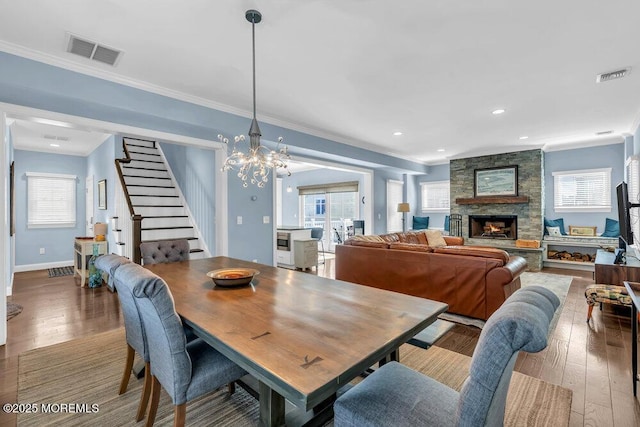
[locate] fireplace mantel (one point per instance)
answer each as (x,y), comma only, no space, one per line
(492,200)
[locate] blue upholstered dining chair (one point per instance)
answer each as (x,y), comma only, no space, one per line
(185,371)
(162,251)
(136,341)
(395,395)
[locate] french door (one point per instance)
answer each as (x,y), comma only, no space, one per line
(334,212)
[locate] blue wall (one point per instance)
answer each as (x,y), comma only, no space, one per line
(606,156)
(194,170)
(58,242)
(436,173)
(380,178)
(100,165)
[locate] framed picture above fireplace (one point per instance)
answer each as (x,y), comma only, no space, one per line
(500,181)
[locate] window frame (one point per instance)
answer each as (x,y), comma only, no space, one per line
(424,186)
(606,185)
(35,218)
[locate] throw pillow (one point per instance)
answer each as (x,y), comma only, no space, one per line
(435,239)
(555,223)
(611,228)
(420,222)
(446,223)
(553,231)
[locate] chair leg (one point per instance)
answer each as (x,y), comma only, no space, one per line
(127,369)
(179,415)
(232,387)
(146,391)
(324,260)
(155,397)
(589,311)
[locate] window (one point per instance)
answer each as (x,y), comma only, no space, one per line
(51,200)
(394,196)
(586,190)
(435,196)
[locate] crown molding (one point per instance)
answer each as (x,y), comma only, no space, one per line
(78,67)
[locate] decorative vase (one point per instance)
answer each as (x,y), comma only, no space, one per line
(95,275)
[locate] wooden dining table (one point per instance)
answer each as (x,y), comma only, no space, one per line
(303,337)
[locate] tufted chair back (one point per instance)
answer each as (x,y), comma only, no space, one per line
(520,324)
(163,251)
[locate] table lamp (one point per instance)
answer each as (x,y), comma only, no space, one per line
(100,231)
(404,208)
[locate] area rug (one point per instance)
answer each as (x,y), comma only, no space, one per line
(88,371)
(61,271)
(13,310)
(557,283)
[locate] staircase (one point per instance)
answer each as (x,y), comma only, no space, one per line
(154,196)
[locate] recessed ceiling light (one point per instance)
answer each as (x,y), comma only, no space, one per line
(524,137)
(55,145)
(498,111)
(397,133)
(440,150)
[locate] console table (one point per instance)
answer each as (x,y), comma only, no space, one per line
(609,273)
(83,251)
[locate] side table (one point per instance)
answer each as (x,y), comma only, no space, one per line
(634,292)
(83,249)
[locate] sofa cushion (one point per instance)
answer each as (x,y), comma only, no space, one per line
(411,247)
(391,237)
(434,238)
(367,238)
(422,237)
(369,244)
(477,251)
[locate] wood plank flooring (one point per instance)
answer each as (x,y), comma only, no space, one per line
(593,360)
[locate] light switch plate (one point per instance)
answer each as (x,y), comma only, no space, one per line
(266,219)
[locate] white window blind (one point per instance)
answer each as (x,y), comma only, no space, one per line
(586,190)
(51,200)
(435,196)
(394,196)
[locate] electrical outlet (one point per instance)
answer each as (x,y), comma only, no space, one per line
(239,220)
(265,219)
(41,251)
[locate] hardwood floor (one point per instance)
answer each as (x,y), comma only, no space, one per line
(593,360)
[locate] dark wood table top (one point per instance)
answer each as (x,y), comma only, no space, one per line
(302,335)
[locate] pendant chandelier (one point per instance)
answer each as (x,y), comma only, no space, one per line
(255,164)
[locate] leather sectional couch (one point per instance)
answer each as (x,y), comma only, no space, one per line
(473,280)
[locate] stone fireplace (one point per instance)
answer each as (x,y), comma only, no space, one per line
(526,207)
(503,227)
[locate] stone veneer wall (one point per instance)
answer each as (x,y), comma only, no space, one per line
(530,183)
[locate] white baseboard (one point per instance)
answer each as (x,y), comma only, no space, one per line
(44,266)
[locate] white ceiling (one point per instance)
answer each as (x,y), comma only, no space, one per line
(356,71)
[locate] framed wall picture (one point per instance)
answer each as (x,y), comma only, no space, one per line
(500,181)
(102,194)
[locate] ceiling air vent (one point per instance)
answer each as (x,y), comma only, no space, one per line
(93,50)
(604,132)
(612,75)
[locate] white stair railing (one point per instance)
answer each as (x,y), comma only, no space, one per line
(124,239)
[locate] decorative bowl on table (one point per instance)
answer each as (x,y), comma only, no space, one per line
(233,276)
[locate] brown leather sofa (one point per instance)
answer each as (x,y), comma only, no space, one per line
(473,280)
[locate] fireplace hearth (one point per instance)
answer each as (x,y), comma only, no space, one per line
(493,227)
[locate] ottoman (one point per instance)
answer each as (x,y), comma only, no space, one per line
(607,294)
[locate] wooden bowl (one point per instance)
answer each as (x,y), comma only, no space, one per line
(233,276)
